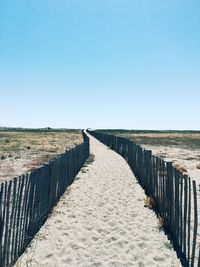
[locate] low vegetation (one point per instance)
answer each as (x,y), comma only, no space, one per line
(183,139)
(23,150)
(50,141)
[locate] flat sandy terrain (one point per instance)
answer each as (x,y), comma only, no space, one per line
(21,152)
(101,221)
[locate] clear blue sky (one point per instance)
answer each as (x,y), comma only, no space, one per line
(100,63)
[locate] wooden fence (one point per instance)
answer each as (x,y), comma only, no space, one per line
(174,193)
(26,201)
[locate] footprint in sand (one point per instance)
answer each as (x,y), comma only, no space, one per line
(100,230)
(140,264)
(111,239)
(58,221)
(72,216)
(97,264)
(66,234)
(115,264)
(67,260)
(49,255)
(157,258)
(122,232)
(142,245)
(95,238)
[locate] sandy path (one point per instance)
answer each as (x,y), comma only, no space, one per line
(101,221)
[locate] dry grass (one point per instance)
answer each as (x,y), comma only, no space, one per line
(35,163)
(198,166)
(149,202)
(180,168)
(52,142)
(181,139)
(23,151)
(189,141)
(161,222)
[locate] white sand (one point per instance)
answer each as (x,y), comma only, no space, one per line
(101,221)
